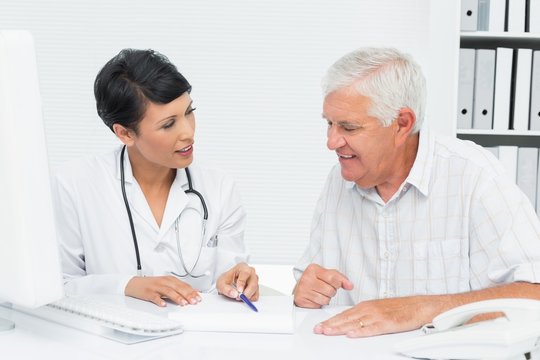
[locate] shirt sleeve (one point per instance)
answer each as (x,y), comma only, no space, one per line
(71,248)
(504,235)
(231,249)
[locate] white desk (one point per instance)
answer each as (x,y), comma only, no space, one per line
(34,338)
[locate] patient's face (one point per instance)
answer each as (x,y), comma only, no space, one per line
(366,150)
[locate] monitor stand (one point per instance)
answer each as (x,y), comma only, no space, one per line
(6,324)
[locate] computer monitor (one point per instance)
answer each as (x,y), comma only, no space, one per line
(30,274)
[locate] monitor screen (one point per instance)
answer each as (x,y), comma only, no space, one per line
(30,274)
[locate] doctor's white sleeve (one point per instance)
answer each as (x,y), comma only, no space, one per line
(72,254)
(231,248)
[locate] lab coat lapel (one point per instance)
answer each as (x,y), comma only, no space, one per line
(176,202)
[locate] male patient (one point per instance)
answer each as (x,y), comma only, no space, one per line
(409,224)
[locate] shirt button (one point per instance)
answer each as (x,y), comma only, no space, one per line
(386,254)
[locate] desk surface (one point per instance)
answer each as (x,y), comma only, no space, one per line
(34,338)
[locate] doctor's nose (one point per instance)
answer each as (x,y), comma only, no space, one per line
(186,130)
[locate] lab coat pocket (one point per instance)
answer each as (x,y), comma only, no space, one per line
(437,266)
(205,271)
(207,261)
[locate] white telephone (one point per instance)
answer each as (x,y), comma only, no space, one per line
(508,337)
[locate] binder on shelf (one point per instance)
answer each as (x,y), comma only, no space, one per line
(508,157)
(503,84)
(538,189)
(527,169)
(484,83)
(483,15)
(523,90)
(535,92)
(466,88)
(493,149)
(469,15)
(516,16)
(497,15)
(534,16)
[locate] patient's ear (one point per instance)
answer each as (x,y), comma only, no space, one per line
(126,136)
(405,122)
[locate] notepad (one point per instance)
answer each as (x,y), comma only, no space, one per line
(218,313)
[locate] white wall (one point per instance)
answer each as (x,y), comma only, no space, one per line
(255,66)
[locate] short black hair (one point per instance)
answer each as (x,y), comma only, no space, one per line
(129,80)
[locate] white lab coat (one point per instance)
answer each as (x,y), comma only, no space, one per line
(96,244)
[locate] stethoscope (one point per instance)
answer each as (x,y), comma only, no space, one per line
(190,190)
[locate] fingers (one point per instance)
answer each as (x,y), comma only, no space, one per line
(351,321)
(336,279)
(241,278)
(318,285)
(155,288)
(179,292)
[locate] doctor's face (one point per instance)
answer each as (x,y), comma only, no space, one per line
(365,148)
(166,132)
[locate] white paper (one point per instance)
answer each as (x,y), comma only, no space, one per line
(218,313)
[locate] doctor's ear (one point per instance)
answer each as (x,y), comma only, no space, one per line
(126,136)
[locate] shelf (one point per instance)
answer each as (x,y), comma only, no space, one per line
(487,132)
(505,138)
(493,40)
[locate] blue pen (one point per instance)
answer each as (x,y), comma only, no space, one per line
(246,300)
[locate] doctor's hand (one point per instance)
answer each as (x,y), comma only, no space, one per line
(318,285)
(243,277)
(155,288)
(384,316)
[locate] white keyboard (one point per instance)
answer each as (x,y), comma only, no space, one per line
(110,320)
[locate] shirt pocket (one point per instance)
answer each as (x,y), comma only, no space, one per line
(438,267)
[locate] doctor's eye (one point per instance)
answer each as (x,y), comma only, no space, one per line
(190,110)
(169,124)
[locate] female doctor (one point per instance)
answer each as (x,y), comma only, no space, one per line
(142,220)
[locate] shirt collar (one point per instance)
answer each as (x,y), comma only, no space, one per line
(420,173)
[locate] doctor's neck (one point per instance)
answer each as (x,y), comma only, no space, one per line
(149,174)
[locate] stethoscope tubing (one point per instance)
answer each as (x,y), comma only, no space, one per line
(132,225)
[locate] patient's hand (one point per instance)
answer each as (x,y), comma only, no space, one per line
(318,285)
(155,288)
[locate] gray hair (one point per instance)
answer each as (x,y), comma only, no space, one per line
(391,79)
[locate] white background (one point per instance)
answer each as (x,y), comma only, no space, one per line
(255,67)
